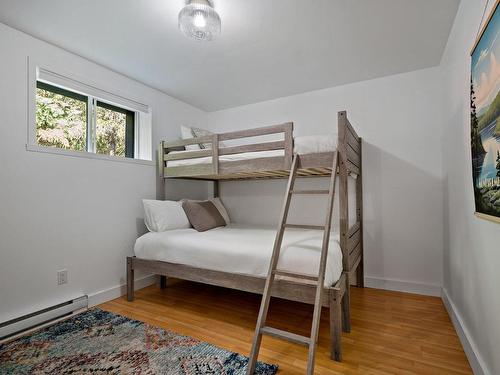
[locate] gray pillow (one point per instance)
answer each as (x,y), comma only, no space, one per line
(203,215)
(198,133)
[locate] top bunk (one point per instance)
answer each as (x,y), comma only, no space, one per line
(218,160)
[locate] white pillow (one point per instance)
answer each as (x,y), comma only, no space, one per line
(187,134)
(160,216)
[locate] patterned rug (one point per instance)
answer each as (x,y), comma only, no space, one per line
(99,342)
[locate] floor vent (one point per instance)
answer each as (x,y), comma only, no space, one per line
(17,326)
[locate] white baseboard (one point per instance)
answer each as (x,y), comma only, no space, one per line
(476,362)
(403,286)
(119,290)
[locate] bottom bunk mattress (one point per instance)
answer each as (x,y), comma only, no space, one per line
(243,250)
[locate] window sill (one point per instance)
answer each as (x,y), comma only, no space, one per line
(87,155)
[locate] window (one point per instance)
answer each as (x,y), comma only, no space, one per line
(77,122)
(61,118)
(115,128)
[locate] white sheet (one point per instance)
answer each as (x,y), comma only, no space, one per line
(302,145)
(242,249)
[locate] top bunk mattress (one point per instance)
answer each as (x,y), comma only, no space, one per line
(309,144)
(242,250)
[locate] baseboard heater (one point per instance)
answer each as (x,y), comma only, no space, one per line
(39,318)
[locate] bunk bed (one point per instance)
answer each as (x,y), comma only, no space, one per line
(265,160)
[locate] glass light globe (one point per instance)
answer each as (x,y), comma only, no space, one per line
(199,21)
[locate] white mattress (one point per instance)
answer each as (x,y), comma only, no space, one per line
(242,250)
(302,145)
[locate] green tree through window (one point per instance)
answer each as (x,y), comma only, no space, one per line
(114,130)
(61,118)
(62,121)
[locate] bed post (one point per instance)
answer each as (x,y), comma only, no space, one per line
(163,282)
(360,274)
(343,195)
(288,145)
(215,191)
(160,180)
(160,195)
(130,280)
(344,215)
(335,324)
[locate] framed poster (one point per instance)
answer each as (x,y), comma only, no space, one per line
(485,118)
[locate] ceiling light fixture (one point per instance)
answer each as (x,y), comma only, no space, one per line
(198,20)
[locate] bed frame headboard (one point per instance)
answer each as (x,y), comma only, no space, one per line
(350,163)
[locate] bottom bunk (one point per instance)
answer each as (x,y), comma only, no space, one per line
(237,257)
(242,249)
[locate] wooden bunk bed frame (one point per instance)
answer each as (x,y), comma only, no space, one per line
(349,148)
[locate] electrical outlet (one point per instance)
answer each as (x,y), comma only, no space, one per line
(62,277)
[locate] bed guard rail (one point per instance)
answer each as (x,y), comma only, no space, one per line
(215,150)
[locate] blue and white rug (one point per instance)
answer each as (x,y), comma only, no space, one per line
(99,342)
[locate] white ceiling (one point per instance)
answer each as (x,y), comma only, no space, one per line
(267,49)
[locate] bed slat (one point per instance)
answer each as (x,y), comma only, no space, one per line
(189,171)
(353,142)
(352,156)
(187,155)
(352,168)
(296,275)
(265,146)
(305,226)
(256,165)
(353,242)
(185,142)
(353,229)
(255,132)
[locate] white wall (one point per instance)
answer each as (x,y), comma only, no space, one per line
(472,245)
(399,118)
(66,212)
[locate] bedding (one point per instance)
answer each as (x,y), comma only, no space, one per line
(242,249)
(302,145)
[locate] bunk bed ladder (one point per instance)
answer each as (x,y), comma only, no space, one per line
(261,328)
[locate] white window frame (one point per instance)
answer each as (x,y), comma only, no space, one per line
(143,132)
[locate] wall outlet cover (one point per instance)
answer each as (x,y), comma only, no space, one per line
(62,277)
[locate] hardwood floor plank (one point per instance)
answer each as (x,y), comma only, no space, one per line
(392,332)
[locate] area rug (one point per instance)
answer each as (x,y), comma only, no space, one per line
(99,342)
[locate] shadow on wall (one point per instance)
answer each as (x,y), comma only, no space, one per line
(187,189)
(403,220)
(140,226)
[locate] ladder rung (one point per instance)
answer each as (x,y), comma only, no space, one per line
(296,275)
(310,192)
(289,336)
(304,226)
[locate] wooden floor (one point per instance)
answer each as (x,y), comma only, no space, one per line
(392,333)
